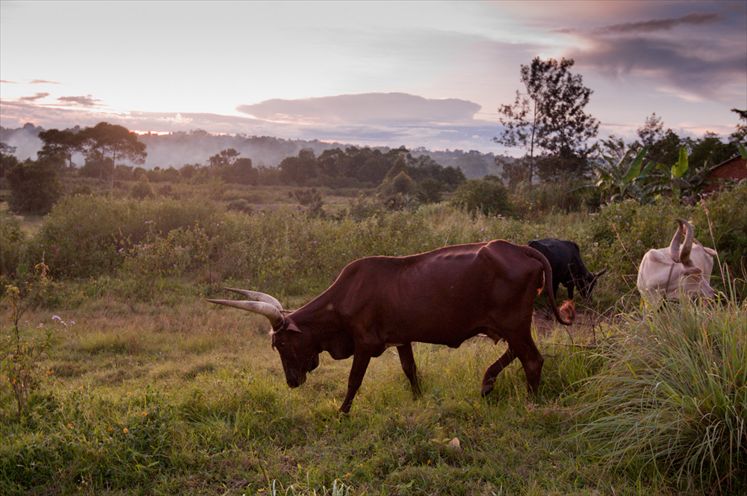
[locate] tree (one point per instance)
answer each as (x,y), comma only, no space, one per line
(663,146)
(299,170)
(34,186)
(7,159)
(110,141)
(61,145)
(549,117)
(224,158)
(651,131)
(740,134)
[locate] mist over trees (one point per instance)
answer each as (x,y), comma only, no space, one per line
(196,147)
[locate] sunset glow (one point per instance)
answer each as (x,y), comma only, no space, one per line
(165,66)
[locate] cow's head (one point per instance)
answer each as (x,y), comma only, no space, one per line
(587,281)
(298,351)
(696,259)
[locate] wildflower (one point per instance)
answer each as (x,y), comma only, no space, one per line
(144,414)
(58,319)
(125,430)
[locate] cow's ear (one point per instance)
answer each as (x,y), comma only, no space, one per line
(689,271)
(292,327)
(710,251)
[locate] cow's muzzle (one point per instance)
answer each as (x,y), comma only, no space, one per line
(296,380)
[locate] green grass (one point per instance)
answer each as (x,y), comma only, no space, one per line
(153,391)
(192,400)
(672,398)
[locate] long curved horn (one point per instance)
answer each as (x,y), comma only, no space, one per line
(674,246)
(260,307)
(687,245)
(257,296)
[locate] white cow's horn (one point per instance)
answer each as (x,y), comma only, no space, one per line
(260,307)
(257,296)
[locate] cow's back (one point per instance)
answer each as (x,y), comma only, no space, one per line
(438,296)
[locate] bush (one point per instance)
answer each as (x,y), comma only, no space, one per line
(34,187)
(240,205)
(485,196)
(673,397)
(13,247)
(723,224)
(142,190)
(87,236)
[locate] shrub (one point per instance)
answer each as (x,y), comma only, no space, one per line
(87,236)
(34,187)
(142,190)
(673,397)
(240,205)
(722,220)
(487,197)
(12,242)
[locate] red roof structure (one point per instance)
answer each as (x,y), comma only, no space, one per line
(734,169)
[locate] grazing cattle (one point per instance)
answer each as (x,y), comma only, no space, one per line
(683,267)
(443,296)
(567,267)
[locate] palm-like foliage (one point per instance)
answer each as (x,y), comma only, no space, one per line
(620,173)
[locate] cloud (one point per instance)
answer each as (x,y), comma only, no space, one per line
(707,63)
(676,65)
(435,125)
(85,101)
(658,24)
(43,81)
(32,98)
(5,81)
(364,108)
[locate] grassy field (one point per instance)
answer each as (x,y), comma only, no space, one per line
(145,388)
(192,399)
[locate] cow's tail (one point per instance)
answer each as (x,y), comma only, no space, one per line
(548,281)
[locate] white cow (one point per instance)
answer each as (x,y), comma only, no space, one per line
(683,268)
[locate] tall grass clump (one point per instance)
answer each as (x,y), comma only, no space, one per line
(672,398)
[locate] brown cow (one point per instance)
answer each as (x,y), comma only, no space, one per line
(443,296)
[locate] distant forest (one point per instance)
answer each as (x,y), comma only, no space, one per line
(196,147)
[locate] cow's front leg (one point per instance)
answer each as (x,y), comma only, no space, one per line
(408,366)
(570,291)
(360,364)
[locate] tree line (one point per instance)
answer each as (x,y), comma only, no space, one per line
(35,184)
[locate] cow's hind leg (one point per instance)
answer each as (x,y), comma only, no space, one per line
(489,378)
(408,366)
(530,358)
(360,364)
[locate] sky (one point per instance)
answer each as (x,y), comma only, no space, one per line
(373,73)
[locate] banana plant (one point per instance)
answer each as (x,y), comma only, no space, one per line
(618,175)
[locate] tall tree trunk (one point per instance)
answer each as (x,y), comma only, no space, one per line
(111,174)
(531,145)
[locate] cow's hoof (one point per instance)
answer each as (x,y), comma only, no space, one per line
(486,389)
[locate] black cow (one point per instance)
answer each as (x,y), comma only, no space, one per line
(567,267)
